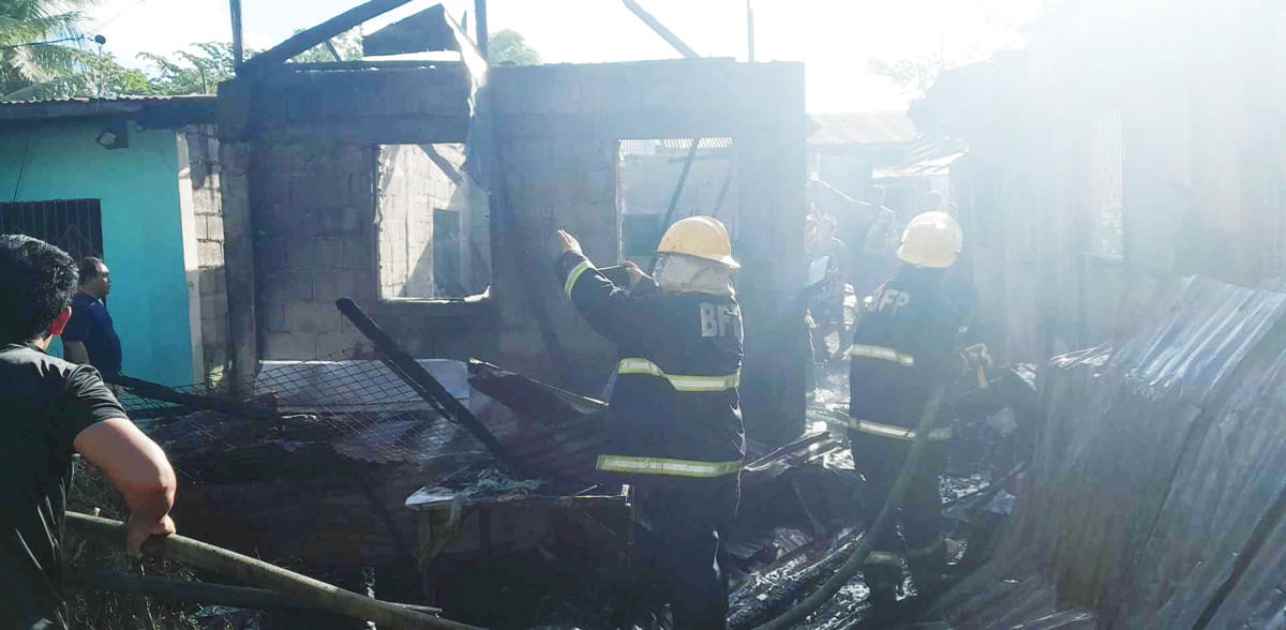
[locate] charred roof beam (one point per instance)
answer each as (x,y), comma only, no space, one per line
(317,35)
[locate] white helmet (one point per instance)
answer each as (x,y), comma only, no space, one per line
(932,240)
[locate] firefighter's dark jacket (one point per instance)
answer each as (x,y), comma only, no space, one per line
(904,347)
(674,409)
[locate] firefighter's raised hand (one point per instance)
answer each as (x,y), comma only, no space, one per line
(568,243)
(635,273)
(977,355)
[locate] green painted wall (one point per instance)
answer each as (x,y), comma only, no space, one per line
(138,188)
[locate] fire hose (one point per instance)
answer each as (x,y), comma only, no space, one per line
(883,521)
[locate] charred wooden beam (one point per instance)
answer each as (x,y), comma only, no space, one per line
(359,64)
(473,57)
(156,391)
(316,35)
(656,25)
(483,38)
(561,433)
(678,193)
(425,31)
(420,380)
(688,52)
(330,48)
(238,52)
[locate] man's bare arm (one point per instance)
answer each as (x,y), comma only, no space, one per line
(139,470)
(75,352)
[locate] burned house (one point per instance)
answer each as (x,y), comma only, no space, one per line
(427,193)
(1146,491)
(322,166)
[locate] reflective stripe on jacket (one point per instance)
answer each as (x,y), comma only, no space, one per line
(681,382)
(669,467)
(903,348)
(896,432)
(675,409)
(881,353)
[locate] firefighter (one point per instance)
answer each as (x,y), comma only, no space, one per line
(904,348)
(674,426)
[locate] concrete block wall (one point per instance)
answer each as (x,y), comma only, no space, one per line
(472,274)
(388,106)
(404,207)
(563,182)
(413,187)
(207,201)
(305,147)
(313,205)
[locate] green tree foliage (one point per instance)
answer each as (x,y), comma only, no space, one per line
(198,70)
(30,68)
(61,72)
(103,76)
(348,45)
(913,75)
(510,47)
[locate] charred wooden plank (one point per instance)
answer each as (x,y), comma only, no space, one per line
(556,433)
(156,391)
(306,39)
(425,31)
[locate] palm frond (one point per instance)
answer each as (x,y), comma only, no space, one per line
(44,63)
(32,9)
(21,30)
(25,26)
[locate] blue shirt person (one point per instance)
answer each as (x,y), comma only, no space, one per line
(90,336)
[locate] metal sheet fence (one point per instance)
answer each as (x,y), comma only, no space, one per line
(1156,497)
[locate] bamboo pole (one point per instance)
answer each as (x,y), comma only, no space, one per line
(300,588)
(186,591)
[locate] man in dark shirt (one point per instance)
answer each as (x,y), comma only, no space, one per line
(52,409)
(90,336)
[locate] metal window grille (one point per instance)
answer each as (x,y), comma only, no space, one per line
(75,225)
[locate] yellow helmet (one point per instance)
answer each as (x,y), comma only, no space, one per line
(702,237)
(933,240)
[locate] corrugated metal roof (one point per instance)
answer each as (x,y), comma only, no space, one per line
(938,166)
(861,128)
(193,108)
(145,98)
(655,146)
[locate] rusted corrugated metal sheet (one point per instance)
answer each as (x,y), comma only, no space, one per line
(1156,497)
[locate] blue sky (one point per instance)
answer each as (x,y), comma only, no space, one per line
(835,38)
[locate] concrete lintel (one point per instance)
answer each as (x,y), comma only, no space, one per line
(377,130)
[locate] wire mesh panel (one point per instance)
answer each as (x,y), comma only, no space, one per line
(75,225)
(334,448)
(356,411)
(311,466)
